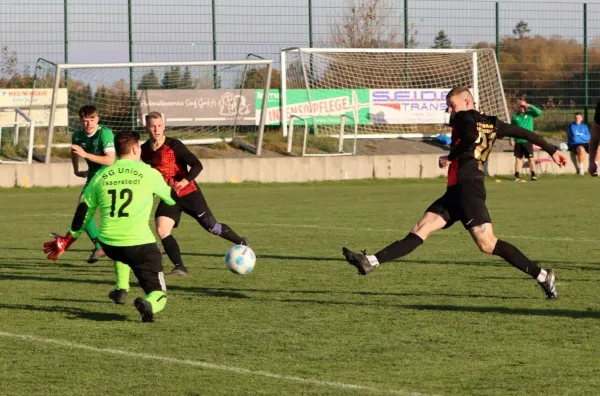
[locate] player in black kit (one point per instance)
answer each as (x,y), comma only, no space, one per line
(171,158)
(473,136)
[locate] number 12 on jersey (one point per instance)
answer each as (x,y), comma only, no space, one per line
(125,195)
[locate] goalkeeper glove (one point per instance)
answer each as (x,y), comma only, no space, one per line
(57,247)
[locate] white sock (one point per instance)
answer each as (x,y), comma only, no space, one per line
(542,276)
(581,168)
(372,260)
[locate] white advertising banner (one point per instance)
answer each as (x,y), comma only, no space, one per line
(408,106)
(33,102)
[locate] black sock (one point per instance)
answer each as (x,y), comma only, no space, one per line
(516,258)
(229,234)
(172,249)
(399,248)
(532,173)
(517,175)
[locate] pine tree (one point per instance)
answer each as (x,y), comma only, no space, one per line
(441,40)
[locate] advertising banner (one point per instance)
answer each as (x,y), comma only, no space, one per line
(199,107)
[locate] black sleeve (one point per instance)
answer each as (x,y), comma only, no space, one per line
(79,216)
(182,152)
(514,131)
(597,114)
(467,127)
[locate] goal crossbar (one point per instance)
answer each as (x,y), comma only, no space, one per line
(63,68)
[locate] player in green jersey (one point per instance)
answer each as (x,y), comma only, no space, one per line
(124,193)
(95,144)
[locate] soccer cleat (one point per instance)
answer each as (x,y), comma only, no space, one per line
(533,178)
(517,179)
(178,270)
(96,255)
(549,285)
(145,309)
(118,296)
(245,241)
(358,260)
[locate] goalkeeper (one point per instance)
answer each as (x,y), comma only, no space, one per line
(124,192)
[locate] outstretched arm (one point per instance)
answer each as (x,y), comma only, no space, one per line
(508,130)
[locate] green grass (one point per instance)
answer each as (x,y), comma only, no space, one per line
(446,320)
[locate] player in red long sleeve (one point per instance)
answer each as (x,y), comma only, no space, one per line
(172,158)
(473,136)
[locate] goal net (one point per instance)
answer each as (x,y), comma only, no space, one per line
(202,102)
(381,93)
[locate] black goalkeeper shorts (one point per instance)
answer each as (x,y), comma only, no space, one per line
(523,150)
(194,204)
(464,202)
(145,262)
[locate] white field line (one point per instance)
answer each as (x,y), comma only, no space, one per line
(320,227)
(208,366)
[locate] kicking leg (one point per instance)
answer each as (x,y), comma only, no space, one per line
(484,237)
(429,223)
(92,232)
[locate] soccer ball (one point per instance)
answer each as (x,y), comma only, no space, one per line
(563,147)
(240,259)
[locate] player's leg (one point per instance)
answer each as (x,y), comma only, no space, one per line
(147,267)
(581,154)
(166,218)
(528,151)
(593,150)
(195,205)
(435,218)
(122,270)
(92,232)
(518,152)
(478,222)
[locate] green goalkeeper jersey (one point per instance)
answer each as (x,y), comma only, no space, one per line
(124,192)
(101,142)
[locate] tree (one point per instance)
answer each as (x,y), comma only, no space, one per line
(442,40)
(186,81)
(149,81)
(172,78)
(255,79)
(521,29)
(365,25)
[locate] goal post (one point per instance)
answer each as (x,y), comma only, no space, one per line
(203,102)
(390,92)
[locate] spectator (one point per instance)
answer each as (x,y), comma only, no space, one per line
(578,140)
(524,149)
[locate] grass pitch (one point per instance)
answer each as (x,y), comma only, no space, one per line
(446,320)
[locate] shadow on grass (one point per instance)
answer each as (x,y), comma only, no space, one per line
(566,313)
(73,313)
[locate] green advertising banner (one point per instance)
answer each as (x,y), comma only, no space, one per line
(327,104)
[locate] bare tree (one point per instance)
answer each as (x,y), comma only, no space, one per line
(365,24)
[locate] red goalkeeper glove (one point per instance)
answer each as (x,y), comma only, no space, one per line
(55,248)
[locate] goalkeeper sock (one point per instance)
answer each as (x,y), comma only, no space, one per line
(92,231)
(158,300)
(516,258)
(172,249)
(122,276)
(399,248)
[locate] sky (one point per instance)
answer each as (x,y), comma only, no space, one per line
(181,30)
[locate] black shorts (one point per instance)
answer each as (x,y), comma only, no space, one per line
(145,262)
(574,147)
(463,202)
(524,150)
(192,204)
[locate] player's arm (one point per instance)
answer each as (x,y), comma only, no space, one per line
(162,189)
(467,128)
(508,130)
(533,111)
(107,140)
(75,161)
(194,164)
(83,215)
